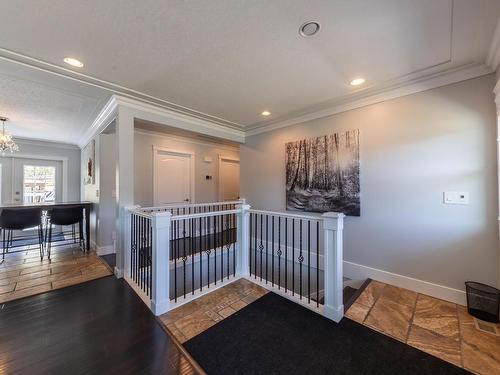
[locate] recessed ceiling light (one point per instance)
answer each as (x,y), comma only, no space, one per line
(73,62)
(266,113)
(357,81)
(309,28)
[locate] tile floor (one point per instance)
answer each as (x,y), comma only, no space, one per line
(23,274)
(440,328)
(437,327)
(197,316)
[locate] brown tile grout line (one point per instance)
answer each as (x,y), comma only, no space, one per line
(50,269)
(411,319)
(372,306)
(460,337)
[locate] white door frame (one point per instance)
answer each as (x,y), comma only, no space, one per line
(221,160)
(64,177)
(191,155)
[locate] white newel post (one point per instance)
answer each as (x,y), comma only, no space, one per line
(160,293)
(127,218)
(333,225)
(243,240)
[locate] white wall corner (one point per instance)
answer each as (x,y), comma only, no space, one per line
(493,59)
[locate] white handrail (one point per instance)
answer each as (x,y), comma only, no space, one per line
(180,205)
(203,214)
(286,214)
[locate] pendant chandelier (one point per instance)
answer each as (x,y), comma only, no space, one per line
(6,141)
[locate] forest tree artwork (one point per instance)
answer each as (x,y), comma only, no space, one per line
(322,174)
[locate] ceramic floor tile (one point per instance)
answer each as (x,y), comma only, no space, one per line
(176,332)
(480,351)
(433,343)
(7,288)
(432,307)
(444,325)
(357,312)
(372,292)
(228,311)
(238,305)
(399,295)
(390,318)
(194,324)
(25,292)
(179,313)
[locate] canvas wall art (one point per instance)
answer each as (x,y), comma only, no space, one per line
(88,157)
(322,174)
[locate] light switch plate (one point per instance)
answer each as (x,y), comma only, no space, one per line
(456,197)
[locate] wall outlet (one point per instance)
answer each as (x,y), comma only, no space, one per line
(455,197)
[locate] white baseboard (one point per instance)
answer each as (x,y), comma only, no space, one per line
(357,271)
(105,250)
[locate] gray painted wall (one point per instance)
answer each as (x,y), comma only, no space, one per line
(412,149)
(102,193)
(205,190)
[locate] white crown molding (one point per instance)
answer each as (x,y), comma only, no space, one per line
(462,73)
(493,59)
(141,110)
(179,138)
(45,143)
(151,112)
(123,91)
(103,119)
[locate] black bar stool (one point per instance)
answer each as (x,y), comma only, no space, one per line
(19,219)
(65,216)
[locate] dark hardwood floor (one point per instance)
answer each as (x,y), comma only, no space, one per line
(98,327)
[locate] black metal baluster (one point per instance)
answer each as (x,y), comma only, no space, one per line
(228,244)
(216,222)
(301,258)
(261,246)
(293,256)
(151,257)
(141,255)
(192,254)
(176,248)
(201,253)
(272,250)
(279,252)
(267,244)
(255,245)
(207,242)
(286,254)
(184,258)
(221,241)
(250,242)
(317,264)
(308,261)
(133,247)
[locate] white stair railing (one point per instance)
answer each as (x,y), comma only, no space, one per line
(173,259)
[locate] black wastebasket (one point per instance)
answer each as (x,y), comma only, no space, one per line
(483,301)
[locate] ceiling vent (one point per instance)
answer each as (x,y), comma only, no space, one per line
(309,28)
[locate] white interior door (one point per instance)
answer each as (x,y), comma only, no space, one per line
(229,179)
(36,181)
(174,173)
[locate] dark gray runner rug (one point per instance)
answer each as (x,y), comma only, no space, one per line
(276,336)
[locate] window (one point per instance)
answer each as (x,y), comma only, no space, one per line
(39,184)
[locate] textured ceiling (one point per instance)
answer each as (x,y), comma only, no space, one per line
(43,106)
(231,59)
